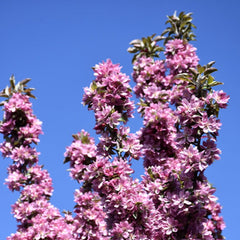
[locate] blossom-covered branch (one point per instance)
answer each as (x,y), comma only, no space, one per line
(37,217)
(180,110)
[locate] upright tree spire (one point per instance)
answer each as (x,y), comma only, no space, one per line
(37,217)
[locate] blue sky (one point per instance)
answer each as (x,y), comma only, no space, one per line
(57,42)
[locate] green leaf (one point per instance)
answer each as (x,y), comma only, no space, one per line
(12,82)
(121,119)
(202,80)
(184,77)
(25,81)
(93,85)
(136,41)
(85,139)
(215,83)
(67,159)
(159,38)
(28,90)
(210,64)
(193,71)
(132,50)
(31,95)
(7,91)
(76,136)
(150,173)
(201,69)
(3,94)
(210,70)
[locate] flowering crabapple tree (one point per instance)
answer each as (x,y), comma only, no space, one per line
(177,142)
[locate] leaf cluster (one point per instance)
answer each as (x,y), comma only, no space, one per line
(201,81)
(181,27)
(82,137)
(20,87)
(146,47)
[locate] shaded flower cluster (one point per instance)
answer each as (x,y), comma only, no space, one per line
(37,218)
(105,168)
(178,139)
(109,96)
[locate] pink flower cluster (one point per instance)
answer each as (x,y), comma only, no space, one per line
(178,139)
(37,218)
(109,197)
(109,96)
(177,142)
(180,56)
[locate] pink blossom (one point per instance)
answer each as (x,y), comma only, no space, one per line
(208,124)
(180,56)
(220,97)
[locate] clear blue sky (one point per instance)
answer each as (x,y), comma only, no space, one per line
(57,42)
